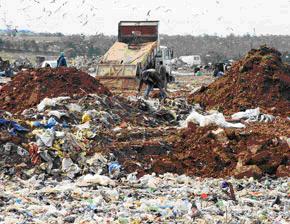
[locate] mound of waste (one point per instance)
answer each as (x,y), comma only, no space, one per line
(260,79)
(69,136)
(29,87)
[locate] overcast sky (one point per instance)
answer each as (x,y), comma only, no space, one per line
(194,17)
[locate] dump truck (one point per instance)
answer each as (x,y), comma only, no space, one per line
(137,48)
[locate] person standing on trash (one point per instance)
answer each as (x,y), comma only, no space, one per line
(162,73)
(151,78)
(61,62)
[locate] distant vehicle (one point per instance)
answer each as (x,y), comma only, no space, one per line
(51,64)
(39,60)
(137,48)
(191,60)
(165,55)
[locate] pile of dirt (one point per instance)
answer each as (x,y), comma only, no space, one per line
(260,79)
(29,87)
(214,152)
(260,149)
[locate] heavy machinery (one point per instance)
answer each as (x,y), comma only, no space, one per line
(137,48)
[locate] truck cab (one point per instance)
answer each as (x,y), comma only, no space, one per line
(165,55)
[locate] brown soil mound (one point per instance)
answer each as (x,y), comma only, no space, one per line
(260,79)
(29,87)
(201,151)
(260,149)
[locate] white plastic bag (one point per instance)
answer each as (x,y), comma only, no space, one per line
(90,180)
(50,102)
(205,120)
(46,137)
(73,107)
(253,115)
(250,113)
(69,167)
(57,114)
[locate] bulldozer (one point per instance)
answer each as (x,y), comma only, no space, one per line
(137,48)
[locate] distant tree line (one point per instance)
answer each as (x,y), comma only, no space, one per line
(211,48)
(215,48)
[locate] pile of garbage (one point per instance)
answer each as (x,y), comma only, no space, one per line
(260,79)
(165,199)
(85,64)
(8,69)
(4,64)
(21,63)
(186,62)
(59,132)
(29,87)
(69,135)
(5,68)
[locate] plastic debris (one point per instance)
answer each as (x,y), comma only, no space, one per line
(253,115)
(12,126)
(50,102)
(91,180)
(114,169)
(205,120)
(69,168)
(86,118)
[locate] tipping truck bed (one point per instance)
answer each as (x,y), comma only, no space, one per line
(120,56)
(135,50)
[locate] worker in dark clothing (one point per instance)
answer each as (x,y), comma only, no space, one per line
(61,62)
(151,78)
(162,73)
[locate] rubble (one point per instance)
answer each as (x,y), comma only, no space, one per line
(85,64)
(4,64)
(21,63)
(260,79)
(8,69)
(5,71)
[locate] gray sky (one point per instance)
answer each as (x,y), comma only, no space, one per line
(195,17)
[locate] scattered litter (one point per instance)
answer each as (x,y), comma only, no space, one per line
(201,201)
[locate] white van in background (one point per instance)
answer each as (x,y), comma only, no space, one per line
(51,64)
(191,60)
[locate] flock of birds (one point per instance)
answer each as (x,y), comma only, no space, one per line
(48,10)
(58,8)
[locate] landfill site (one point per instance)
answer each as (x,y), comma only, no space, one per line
(139,135)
